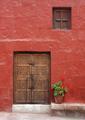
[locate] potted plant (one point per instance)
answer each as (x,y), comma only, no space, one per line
(59,92)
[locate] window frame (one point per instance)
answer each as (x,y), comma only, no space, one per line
(62,11)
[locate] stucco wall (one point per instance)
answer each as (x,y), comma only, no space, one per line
(26,25)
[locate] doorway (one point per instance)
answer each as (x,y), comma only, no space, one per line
(31,78)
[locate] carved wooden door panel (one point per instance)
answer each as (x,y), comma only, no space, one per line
(31,78)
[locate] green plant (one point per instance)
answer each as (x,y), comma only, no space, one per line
(58,89)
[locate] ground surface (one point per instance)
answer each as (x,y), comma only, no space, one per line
(27,116)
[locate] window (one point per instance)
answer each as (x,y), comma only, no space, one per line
(62,18)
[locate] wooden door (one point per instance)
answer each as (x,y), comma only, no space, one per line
(31,78)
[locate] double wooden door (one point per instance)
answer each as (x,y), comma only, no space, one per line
(31,78)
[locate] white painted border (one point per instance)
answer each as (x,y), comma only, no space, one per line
(31,108)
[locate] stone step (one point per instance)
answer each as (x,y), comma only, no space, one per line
(68,110)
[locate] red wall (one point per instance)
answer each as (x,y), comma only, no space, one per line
(26,25)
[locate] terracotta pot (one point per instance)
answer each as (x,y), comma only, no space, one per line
(59,99)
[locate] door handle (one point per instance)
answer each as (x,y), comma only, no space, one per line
(32,81)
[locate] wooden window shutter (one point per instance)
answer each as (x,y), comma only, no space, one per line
(62,18)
